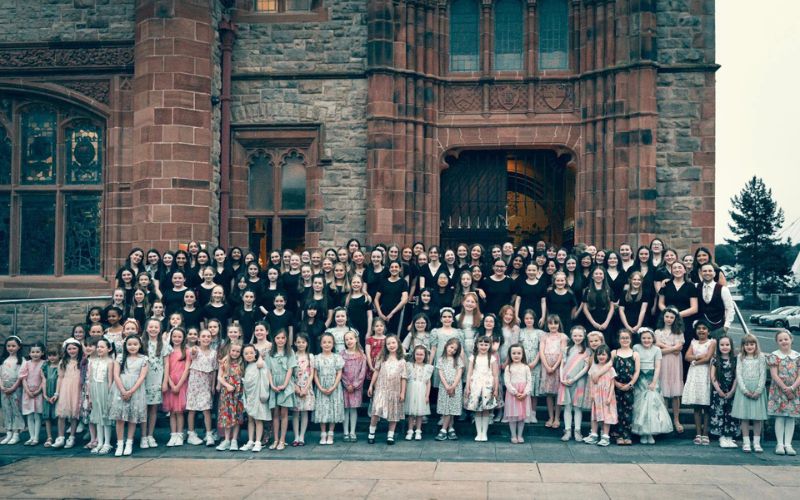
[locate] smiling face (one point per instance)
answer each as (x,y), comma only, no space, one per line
(515,354)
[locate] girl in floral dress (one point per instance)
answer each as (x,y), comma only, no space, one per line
(750,400)
(450,397)
(353,374)
(480,395)
(723,381)
(303,388)
(529,338)
(201,387)
(388,389)
(697,390)
(626,366)
(573,392)
(418,389)
(604,403)
(11,394)
(551,352)
(156,352)
(374,345)
(784,393)
(440,336)
(329,407)
(517,408)
(231,397)
(282,364)
(128,402)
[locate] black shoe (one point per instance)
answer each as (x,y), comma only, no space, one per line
(390,440)
(371,438)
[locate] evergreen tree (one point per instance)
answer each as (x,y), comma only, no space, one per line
(759,252)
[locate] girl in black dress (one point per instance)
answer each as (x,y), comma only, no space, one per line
(312,325)
(272,287)
(173,297)
(217,308)
(392,298)
(223,274)
(657,248)
(683,296)
(247,315)
(600,258)
(476,253)
(574,277)
(626,261)
(204,288)
(352,246)
(598,306)
(560,301)
(617,278)
(293,286)
(319,295)
(464,285)
(585,265)
(358,264)
(340,287)
(281,319)
(515,269)
(499,288)
(192,315)
(235,260)
(462,256)
(634,305)
(374,273)
(254,280)
(359,308)
(450,266)
(530,292)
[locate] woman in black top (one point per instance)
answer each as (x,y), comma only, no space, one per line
(617,278)
(598,306)
(235,260)
(702,256)
(292,284)
(375,273)
(173,297)
(247,315)
(634,305)
(224,274)
(254,281)
(391,298)
(498,287)
(132,262)
(281,319)
(272,287)
(515,269)
(430,271)
(679,294)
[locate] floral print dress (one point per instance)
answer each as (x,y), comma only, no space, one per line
(231,403)
(303,381)
(721,423)
(155,374)
(625,368)
(779,404)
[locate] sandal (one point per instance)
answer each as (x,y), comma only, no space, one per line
(549,423)
(620,442)
(281,446)
(90,445)
(698,439)
(628,442)
(273,445)
(705,441)
(48,443)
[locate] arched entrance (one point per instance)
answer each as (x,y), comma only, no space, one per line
(523,196)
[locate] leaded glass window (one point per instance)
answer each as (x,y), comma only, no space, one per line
(266,5)
(84,146)
(37,233)
(508,35)
(38,145)
(464,35)
(82,234)
(298,5)
(51,188)
(553,34)
(293,182)
(260,184)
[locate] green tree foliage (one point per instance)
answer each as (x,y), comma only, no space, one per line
(759,252)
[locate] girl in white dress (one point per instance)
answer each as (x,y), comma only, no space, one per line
(697,390)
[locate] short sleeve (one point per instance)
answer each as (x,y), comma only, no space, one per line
(339,363)
(314,361)
(24,369)
(428,372)
(658,354)
(291,362)
(166,350)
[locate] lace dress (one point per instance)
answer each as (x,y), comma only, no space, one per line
(386,402)
(133,410)
(481,384)
(303,381)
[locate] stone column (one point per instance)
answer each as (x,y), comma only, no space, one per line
(172,173)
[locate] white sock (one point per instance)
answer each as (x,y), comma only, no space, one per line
(746,440)
(779,429)
(372,429)
(521,429)
(788,432)
(487,419)
(390,434)
(346,422)
(513,427)
(578,416)
(31,419)
(353,420)
(567,417)
(107,431)
(478,425)
(756,440)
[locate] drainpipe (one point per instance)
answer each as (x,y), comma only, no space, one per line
(227,31)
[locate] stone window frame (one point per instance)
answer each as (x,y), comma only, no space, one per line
(246,12)
(65,117)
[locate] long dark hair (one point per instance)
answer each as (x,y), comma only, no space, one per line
(6,354)
(123,363)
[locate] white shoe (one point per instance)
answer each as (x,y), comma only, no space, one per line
(178,439)
(120,447)
(578,436)
(410,435)
(790,451)
(210,440)
(224,445)
(651,439)
(323,438)
(194,439)
(152,442)
(105,449)
(567,434)
(172,438)
(234,445)
(14,438)
(144,443)
(214,435)
(257,446)
(58,443)
(128,447)
(418,435)
(780,450)
(248,446)
(6,439)
(70,442)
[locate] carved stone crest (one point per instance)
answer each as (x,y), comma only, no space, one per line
(463,98)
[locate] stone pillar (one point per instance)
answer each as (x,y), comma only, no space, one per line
(172,173)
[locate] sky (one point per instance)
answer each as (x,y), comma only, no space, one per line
(758,106)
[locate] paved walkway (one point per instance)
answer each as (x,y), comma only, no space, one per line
(146,478)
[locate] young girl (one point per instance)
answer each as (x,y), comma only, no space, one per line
(68,392)
(418,391)
(784,395)
(312,325)
(517,409)
(480,395)
(339,329)
(303,388)
(176,375)
(604,403)
(156,352)
(419,334)
(353,375)
(626,366)
(11,394)
(440,337)
(374,345)
(388,388)
(100,377)
(281,319)
(282,364)
(573,391)
(231,403)
(510,329)
(650,415)
(50,385)
(257,396)
(128,401)
(201,387)
(329,408)
(669,338)
(697,391)
(750,400)
(723,380)
(551,353)
(529,339)
(450,394)
(31,376)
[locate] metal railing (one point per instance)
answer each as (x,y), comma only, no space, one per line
(45,301)
(741,318)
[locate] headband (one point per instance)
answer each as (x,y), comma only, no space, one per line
(447,309)
(69,341)
(19,340)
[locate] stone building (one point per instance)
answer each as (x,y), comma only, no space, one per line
(291,123)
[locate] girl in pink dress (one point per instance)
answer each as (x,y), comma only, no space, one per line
(303,388)
(518,391)
(551,353)
(353,375)
(68,392)
(176,366)
(32,386)
(604,402)
(669,338)
(374,345)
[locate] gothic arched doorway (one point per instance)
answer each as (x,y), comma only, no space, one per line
(494,196)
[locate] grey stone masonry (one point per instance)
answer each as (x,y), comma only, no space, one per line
(29,320)
(66,20)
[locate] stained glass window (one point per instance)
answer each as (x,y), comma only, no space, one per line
(37,234)
(464,35)
(82,234)
(293,182)
(5,156)
(267,5)
(553,34)
(84,146)
(260,184)
(5,232)
(508,28)
(38,145)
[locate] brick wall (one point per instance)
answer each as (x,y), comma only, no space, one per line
(686,136)
(66,20)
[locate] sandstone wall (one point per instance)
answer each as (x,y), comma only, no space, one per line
(66,20)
